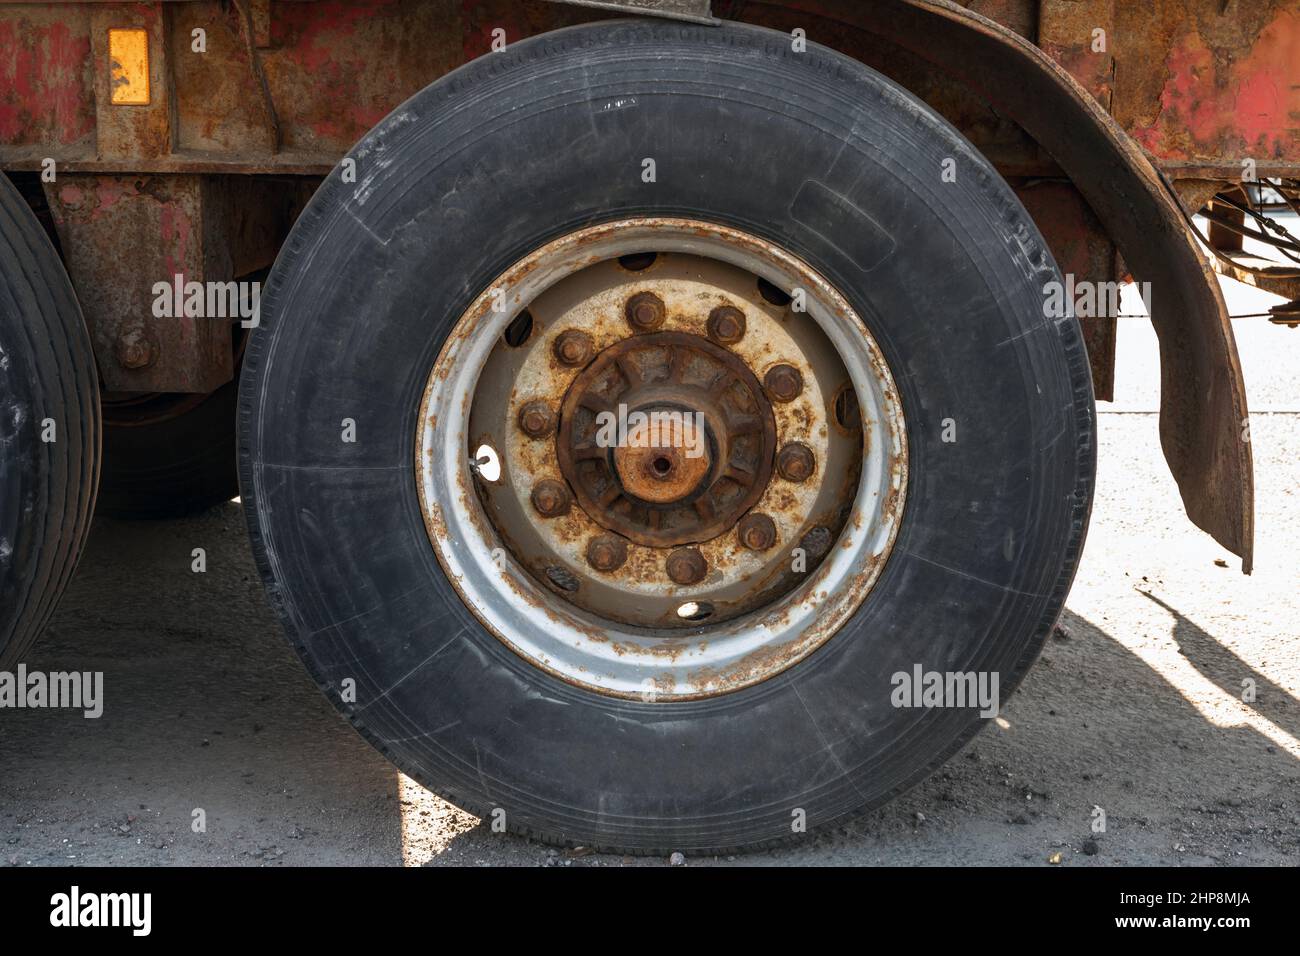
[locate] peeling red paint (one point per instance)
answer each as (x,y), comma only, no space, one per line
(175,228)
(1250,106)
(43,79)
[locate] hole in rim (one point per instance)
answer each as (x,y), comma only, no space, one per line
(662,465)
(694,610)
(487,463)
(562,578)
(772,294)
(847,413)
(638,261)
(519,330)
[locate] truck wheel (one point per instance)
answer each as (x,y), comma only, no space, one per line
(865,452)
(49,428)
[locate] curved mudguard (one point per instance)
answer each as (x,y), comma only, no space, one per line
(1202,392)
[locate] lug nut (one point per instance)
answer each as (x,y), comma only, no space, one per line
(757,532)
(551,498)
(645,311)
(795,462)
(783,382)
(607,552)
(536,420)
(726,325)
(687,566)
(573,348)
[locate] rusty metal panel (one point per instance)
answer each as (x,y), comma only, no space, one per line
(1211,82)
(221,105)
(696,11)
(46,80)
(291,85)
(1079,35)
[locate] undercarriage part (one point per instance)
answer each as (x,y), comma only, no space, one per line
(154,261)
(1227,213)
(168,455)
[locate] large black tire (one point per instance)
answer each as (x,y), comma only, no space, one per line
(809,150)
(47,371)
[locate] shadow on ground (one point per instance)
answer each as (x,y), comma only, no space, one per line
(208,709)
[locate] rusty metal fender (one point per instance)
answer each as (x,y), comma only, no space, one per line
(1203,410)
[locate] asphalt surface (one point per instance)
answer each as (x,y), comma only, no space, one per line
(1135,706)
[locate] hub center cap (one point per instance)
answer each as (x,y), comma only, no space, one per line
(666,456)
(666,439)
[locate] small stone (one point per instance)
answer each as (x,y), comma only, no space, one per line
(677,859)
(1090,847)
(1220,563)
(1054,858)
(1062,633)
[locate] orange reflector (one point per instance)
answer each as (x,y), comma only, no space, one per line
(128,61)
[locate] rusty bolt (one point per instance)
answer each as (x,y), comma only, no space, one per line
(551,498)
(536,420)
(645,311)
(606,552)
(687,566)
(573,348)
(726,325)
(795,462)
(783,382)
(757,532)
(135,350)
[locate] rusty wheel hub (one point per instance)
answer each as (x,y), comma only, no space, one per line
(637,475)
(666,439)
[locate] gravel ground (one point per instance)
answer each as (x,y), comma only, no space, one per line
(1134,707)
